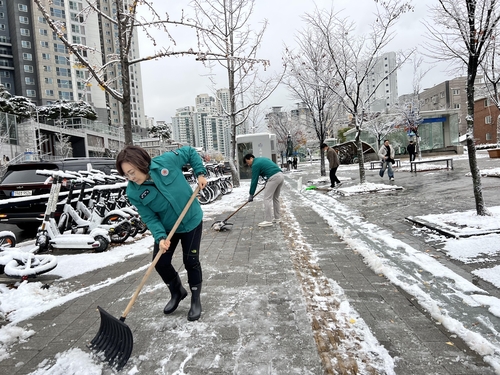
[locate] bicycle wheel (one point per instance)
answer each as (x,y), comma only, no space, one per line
(205,195)
(29,265)
(121,232)
(228,186)
(9,240)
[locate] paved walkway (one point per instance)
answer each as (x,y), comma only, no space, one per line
(259,317)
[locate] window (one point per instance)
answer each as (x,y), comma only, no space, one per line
(31,93)
(44,32)
(25,20)
(486,102)
(59,48)
(61,60)
(42,19)
(2,15)
(455,91)
(4,74)
(456,105)
(65,95)
(487,120)
(7,85)
(29,80)
(76,18)
(27,56)
(58,2)
(2,27)
(44,44)
(47,68)
(57,13)
(49,92)
(46,56)
(25,44)
(22,7)
(64,83)
(25,32)
(49,81)
(28,68)
(441,94)
(63,72)
(75,28)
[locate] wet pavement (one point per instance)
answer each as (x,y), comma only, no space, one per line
(259,316)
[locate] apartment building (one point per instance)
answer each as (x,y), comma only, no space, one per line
(382,83)
(486,115)
(34,63)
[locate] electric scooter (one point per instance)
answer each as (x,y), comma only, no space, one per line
(116,224)
(49,236)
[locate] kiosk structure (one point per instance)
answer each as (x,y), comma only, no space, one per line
(258,144)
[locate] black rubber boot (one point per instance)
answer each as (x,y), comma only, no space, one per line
(178,294)
(195,310)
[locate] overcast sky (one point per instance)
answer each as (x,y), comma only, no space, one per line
(172,83)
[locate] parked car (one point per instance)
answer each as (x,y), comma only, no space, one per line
(21,181)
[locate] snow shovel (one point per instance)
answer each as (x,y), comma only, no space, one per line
(114,338)
(222,225)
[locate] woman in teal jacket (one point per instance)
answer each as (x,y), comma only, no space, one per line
(159,190)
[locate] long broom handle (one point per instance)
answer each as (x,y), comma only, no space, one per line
(157,257)
(243,205)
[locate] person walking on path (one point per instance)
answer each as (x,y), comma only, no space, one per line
(160,192)
(334,162)
(268,170)
(411,150)
(387,153)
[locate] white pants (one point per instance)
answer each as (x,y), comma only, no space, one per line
(272,197)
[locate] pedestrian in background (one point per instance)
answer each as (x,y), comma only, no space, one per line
(387,153)
(294,162)
(268,170)
(160,192)
(334,162)
(411,150)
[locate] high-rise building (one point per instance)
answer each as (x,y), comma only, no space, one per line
(382,83)
(206,125)
(34,63)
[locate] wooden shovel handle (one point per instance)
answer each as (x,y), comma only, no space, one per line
(160,253)
(243,205)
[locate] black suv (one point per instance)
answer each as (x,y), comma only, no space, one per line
(21,181)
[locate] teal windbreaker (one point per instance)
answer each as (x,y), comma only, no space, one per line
(161,201)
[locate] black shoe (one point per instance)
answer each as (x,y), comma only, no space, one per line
(178,293)
(195,310)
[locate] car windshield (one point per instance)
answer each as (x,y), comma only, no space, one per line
(23,176)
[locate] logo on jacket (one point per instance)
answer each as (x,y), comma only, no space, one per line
(144,193)
(164,172)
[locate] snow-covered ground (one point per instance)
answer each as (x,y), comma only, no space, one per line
(27,299)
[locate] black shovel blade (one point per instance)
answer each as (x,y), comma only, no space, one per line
(114,340)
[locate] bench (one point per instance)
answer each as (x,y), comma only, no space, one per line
(413,164)
(373,164)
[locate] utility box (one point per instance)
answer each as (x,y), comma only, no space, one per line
(259,144)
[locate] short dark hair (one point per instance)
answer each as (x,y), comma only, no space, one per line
(323,145)
(134,155)
(386,140)
(248,157)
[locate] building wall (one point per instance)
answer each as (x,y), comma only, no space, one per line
(485,121)
(382,84)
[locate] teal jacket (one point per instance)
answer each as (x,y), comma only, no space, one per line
(161,200)
(262,167)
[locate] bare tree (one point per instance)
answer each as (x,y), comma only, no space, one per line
(126,21)
(462,32)
(227,31)
(308,71)
(287,130)
(381,125)
(353,58)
